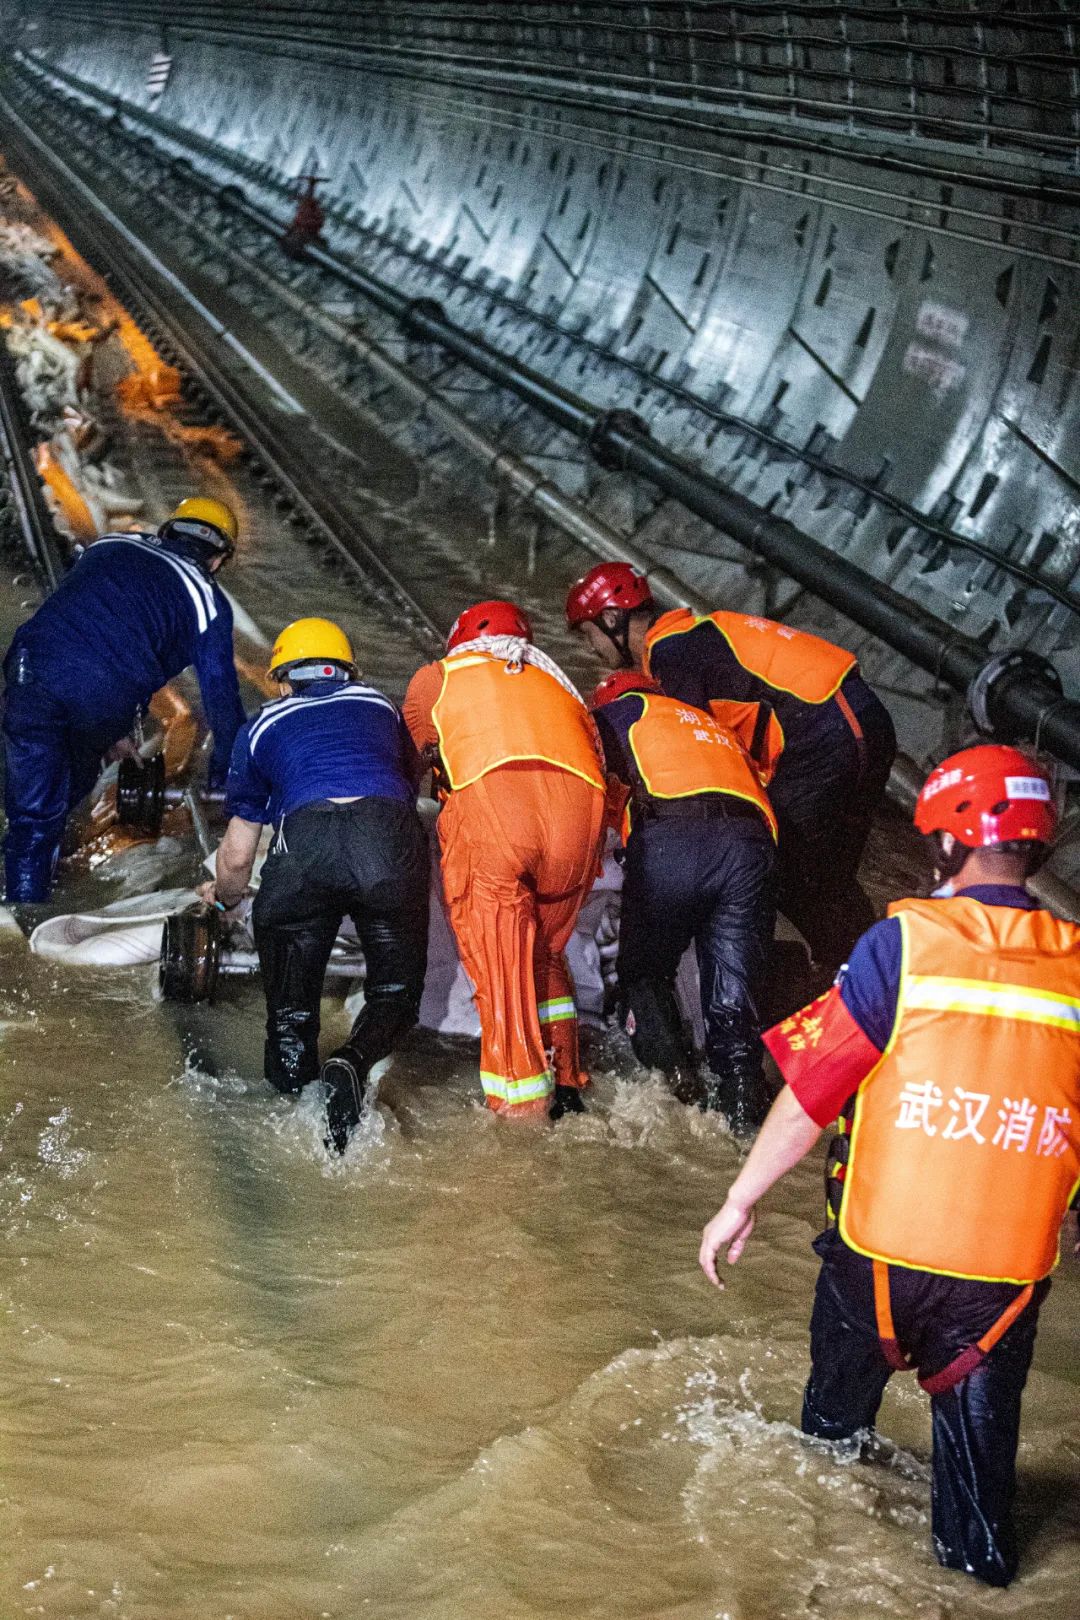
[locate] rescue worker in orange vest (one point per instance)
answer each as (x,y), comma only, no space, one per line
(803,712)
(700,837)
(518,760)
(952,1045)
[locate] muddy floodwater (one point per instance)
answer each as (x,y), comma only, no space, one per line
(469,1372)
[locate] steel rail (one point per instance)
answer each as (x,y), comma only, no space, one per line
(39,534)
(882,498)
(136,287)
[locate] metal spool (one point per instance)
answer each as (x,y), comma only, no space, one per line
(140,793)
(190,958)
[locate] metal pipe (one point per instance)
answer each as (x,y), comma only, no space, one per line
(1024,699)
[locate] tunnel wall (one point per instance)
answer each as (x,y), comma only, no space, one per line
(895,304)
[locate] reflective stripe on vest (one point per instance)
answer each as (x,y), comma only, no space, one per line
(965,1144)
(788,660)
(680,752)
(490,714)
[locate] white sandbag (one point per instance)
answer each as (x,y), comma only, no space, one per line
(448,1004)
(125,934)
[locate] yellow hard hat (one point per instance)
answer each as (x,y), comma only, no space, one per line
(200,509)
(310,641)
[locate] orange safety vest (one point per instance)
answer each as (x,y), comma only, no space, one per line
(682,751)
(790,661)
(965,1143)
(491,713)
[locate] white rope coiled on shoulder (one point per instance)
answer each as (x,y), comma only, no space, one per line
(515,651)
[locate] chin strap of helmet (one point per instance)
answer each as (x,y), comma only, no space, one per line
(946,866)
(618,635)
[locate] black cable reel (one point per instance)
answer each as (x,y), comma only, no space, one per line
(140,793)
(190,960)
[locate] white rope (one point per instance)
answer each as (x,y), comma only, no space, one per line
(514,651)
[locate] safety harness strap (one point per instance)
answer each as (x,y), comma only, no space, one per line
(966,1362)
(890,1344)
(960,1366)
(853,725)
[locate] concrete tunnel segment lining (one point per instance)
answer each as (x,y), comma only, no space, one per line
(892,296)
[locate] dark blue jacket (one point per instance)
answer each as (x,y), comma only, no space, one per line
(870,982)
(130,615)
(330,741)
(701,665)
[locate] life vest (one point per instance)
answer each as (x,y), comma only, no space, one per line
(490,713)
(680,752)
(965,1140)
(790,661)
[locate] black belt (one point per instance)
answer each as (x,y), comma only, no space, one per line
(713,806)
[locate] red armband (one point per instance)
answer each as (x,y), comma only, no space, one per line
(823,1054)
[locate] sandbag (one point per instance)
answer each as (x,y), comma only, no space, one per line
(124,934)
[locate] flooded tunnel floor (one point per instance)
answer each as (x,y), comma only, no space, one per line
(465,1372)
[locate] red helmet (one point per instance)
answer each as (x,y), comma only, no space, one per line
(985,796)
(618,683)
(608,585)
(489,619)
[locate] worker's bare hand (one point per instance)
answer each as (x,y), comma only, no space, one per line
(729,1229)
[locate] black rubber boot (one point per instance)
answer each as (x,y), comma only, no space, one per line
(739,1095)
(343,1076)
(567,1100)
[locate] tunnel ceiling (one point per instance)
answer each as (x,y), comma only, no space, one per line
(828,252)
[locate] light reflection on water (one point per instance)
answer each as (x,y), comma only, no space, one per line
(468,1371)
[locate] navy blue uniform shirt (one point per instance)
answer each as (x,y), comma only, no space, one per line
(333,740)
(870,983)
(128,617)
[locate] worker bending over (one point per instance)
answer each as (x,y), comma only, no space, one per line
(134,611)
(329,764)
(823,740)
(519,761)
(952,1047)
(700,840)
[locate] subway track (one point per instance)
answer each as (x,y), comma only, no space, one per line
(26,525)
(533,536)
(172,321)
(393,350)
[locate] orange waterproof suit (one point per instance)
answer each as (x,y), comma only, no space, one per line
(520,834)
